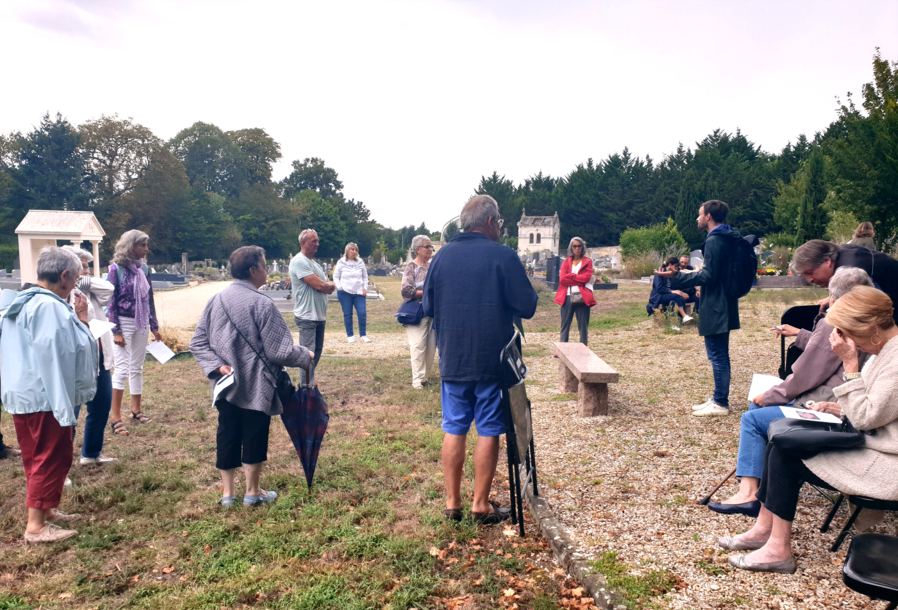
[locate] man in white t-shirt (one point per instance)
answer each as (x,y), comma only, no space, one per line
(310,290)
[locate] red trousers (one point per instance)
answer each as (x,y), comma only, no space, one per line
(47,455)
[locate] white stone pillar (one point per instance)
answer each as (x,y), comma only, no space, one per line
(96,244)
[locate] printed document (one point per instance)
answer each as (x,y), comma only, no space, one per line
(793,413)
(160,351)
(223,384)
(98,328)
(762,383)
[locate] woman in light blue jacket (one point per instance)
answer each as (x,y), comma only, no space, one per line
(50,363)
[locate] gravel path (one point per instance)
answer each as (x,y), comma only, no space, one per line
(629,482)
(181,308)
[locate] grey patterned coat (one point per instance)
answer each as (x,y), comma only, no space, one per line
(217,343)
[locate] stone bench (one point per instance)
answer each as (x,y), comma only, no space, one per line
(581,371)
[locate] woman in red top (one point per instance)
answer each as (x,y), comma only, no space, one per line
(574,296)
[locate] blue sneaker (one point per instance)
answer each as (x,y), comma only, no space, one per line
(264,496)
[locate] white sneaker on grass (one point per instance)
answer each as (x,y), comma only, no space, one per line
(688,319)
(351,339)
(365,339)
(711,410)
(85,461)
(703,405)
(68,482)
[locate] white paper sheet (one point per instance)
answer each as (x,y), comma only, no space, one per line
(793,413)
(160,351)
(98,328)
(419,284)
(762,383)
(223,384)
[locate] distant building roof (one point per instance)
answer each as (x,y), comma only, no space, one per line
(83,225)
(538,221)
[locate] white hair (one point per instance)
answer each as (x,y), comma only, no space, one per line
(305,233)
(417,242)
(124,247)
(83,255)
(477,212)
(582,243)
(845,279)
(53,261)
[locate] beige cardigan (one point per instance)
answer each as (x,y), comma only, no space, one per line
(869,403)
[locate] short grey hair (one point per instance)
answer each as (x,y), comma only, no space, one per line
(417,242)
(582,242)
(845,279)
(53,261)
(125,246)
(477,212)
(83,255)
(348,246)
(304,234)
(811,255)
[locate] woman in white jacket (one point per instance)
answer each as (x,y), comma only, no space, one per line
(351,278)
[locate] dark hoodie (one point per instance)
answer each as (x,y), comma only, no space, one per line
(720,312)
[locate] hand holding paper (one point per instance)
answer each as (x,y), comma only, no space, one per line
(98,328)
(160,351)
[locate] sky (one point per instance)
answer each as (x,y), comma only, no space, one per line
(413,101)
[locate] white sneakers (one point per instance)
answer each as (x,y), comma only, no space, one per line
(351,339)
(365,339)
(688,319)
(97,460)
(709,409)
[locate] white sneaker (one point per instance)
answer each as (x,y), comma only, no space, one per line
(688,319)
(351,339)
(68,482)
(365,339)
(711,410)
(417,386)
(703,405)
(97,460)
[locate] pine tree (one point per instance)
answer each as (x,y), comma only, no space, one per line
(812,216)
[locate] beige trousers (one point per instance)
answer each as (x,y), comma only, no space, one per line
(422,342)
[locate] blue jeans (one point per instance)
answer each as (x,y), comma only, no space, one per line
(347,302)
(753,439)
(97,415)
(718,349)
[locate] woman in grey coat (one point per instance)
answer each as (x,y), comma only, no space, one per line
(242,333)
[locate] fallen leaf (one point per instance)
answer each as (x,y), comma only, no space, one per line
(135,577)
(434,551)
(183,578)
(184,534)
(207,550)
(478,582)
(442,554)
(168,570)
(578,592)
(508,592)
(510,533)
(65,596)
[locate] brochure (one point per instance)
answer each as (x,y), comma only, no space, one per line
(827,418)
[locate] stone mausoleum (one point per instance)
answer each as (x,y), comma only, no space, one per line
(538,233)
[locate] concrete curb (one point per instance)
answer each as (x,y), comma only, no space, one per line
(565,550)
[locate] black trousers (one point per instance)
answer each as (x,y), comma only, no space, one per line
(781,480)
(240,429)
(568,311)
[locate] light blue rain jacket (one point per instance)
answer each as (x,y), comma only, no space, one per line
(50,359)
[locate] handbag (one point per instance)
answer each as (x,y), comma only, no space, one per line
(576,298)
(806,438)
(410,313)
(283,385)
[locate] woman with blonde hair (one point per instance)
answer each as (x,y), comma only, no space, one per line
(861,320)
(133,311)
(351,280)
(863,236)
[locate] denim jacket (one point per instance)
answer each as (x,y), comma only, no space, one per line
(50,359)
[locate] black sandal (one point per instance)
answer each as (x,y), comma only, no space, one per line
(119,428)
(139,416)
(497,515)
(452,514)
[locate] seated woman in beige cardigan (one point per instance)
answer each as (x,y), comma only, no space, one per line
(862,319)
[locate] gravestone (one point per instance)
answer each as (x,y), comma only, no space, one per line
(553,266)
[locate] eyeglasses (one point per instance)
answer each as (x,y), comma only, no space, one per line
(501,222)
(426,247)
(577,246)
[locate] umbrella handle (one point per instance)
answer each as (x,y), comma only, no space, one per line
(308,371)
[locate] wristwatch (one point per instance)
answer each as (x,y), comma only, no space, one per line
(850,376)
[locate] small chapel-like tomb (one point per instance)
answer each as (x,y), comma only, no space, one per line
(41,228)
(538,233)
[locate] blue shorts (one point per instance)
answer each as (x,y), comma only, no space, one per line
(479,401)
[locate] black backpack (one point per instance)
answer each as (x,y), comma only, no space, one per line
(745,269)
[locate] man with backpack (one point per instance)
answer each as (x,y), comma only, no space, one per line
(728,273)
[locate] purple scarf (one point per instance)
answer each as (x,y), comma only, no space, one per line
(141,294)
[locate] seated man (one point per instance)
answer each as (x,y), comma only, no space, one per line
(663,296)
(814,375)
(693,293)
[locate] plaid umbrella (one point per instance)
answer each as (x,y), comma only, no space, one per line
(306,420)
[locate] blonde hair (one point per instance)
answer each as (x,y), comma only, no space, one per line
(863,312)
(124,247)
(346,250)
(865,229)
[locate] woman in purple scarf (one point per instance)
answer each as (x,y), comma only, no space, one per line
(133,312)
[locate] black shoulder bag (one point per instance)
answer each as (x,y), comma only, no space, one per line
(805,438)
(283,385)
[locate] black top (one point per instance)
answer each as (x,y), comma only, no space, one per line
(882,269)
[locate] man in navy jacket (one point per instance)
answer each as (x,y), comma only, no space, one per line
(474,288)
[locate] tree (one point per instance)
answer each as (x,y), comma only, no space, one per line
(214,164)
(503,191)
(811,214)
(693,193)
(323,216)
(452,229)
(313,175)
(259,151)
(51,170)
(118,152)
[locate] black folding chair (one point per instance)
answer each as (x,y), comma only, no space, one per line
(871,567)
(518,429)
(801,317)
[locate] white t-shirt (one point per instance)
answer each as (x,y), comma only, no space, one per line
(575,268)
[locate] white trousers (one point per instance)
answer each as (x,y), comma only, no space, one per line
(129,359)
(422,342)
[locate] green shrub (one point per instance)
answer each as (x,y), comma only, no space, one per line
(8,255)
(841,227)
(657,238)
(777,240)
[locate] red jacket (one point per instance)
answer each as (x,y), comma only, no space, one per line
(566,279)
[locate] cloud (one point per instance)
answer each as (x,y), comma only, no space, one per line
(90,19)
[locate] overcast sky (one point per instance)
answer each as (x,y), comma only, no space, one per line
(413,101)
